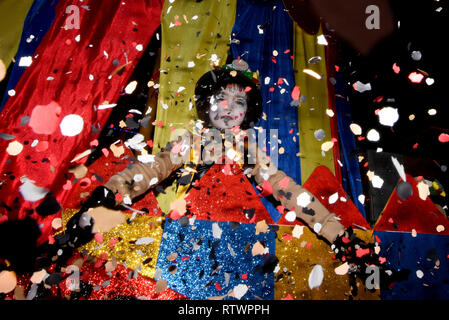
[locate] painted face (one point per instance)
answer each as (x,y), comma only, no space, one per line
(228,108)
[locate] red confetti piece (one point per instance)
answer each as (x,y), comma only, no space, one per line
(284,182)
(248,89)
(309,244)
(105,152)
(244,276)
(291,131)
(41,146)
(113,241)
(337,68)
(178,23)
(415,146)
(287,237)
(280,81)
(360,138)
(118,197)
(396,68)
(378,99)
(296,93)
(160,124)
(444,137)
(267,189)
(218,286)
(361,252)
(150,143)
(382,260)
(280,209)
(271,89)
(99,237)
(175,215)
(287,51)
(273,59)
(51,240)
(377,239)
(68,185)
(94,143)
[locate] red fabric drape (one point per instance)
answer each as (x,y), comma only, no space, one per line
(73,72)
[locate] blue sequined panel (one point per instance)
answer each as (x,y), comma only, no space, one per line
(204,264)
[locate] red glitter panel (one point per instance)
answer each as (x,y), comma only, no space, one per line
(226,197)
(120,282)
(322,183)
(413,213)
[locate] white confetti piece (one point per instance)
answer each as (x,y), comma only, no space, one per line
(317,227)
(216,230)
(377,182)
(138,177)
(146,158)
(388,116)
(298,231)
(14,148)
(303,200)
(153,181)
(71,125)
(399,168)
(361,87)
(78,38)
(139,47)
(430,81)
(144,240)
(290,216)
(240,290)
(419,274)
(322,40)
(11,93)
(361,198)
(131,87)
(31,192)
(25,61)
(440,228)
(190,64)
(333,198)
(316,277)
(373,135)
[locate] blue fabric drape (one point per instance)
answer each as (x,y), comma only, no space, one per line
(261,29)
(38,21)
(420,253)
(351,178)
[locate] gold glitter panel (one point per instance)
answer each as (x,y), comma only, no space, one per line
(134,245)
(297,257)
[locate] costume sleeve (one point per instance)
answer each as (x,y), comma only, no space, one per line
(296,198)
(140,177)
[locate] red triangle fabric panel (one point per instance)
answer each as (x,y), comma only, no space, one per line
(412,213)
(324,185)
(225,194)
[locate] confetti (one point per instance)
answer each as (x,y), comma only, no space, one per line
(303,200)
(312,73)
(361,87)
(443,137)
(298,231)
(258,249)
(316,277)
(416,77)
(388,116)
(131,87)
(419,274)
(342,269)
(14,148)
(262,227)
(440,228)
(321,39)
(31,192)
(25,61)
(8,281)
(356,129)
(290,216)
(326,146)
(423,190)
(71,125)
(373,135)
(105,219)
(239,291)
(333,198)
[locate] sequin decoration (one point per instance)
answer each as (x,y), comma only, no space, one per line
(206,260)
(134,244)
(297,257)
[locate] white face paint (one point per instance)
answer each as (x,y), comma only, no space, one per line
(228,108)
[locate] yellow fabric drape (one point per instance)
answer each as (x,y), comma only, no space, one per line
(298,256)
(311,113)
(12,16)
(195,37)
